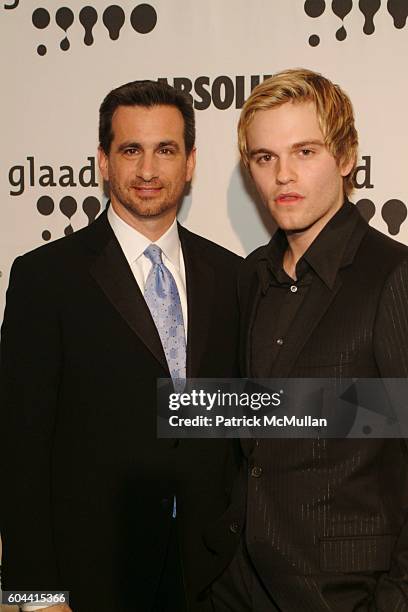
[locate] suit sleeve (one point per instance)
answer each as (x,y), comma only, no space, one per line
(391,352)
(30,362)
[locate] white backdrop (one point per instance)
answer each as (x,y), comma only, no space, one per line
(51,95)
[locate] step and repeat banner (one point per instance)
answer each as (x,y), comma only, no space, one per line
(61,57)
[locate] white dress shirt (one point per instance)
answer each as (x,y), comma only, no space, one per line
(133,244)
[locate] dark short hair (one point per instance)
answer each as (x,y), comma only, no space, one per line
(145,93)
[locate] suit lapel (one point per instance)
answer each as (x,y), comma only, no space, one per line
(111,271)
(200,281)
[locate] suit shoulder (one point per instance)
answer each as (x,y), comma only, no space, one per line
(247,272)
(384,250)
(255,256)
(215,252)
(51,252)
(250,262)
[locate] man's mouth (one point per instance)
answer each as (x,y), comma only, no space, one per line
(147,190)
(289,198)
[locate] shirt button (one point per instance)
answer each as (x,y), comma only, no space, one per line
(234,528)
(256,471)
(279,341)
(293,288)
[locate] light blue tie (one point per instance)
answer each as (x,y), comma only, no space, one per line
(163,300)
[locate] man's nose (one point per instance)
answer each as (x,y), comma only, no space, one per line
(147,168)
(285,172)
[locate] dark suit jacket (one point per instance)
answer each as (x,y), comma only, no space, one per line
(326,525)
(88,488)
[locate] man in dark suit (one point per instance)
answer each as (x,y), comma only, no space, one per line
(319,525)
(93,503)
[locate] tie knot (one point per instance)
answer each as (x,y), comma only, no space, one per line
(154,253)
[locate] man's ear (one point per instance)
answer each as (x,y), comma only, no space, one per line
(191,162)
(346,165)
(103,163)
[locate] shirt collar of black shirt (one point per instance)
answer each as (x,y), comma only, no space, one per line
(324,256)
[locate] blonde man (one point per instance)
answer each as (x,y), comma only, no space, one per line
(319,525)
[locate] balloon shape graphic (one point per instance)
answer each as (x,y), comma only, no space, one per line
(113,19)
(91,207)
(87,18)
(369,8)
(398,9)
(68,207)
(366,208)
(41,20)
(45,206)
(341,8)
(314,8)
(64,18)
(394,213)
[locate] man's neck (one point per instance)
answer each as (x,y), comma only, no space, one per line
(299,242)
(151,227)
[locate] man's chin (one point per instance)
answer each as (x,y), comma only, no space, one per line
(147,209)
(292,225)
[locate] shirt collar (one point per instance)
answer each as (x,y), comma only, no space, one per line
(325,254)
(133,243)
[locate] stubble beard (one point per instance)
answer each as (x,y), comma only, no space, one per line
(142,207)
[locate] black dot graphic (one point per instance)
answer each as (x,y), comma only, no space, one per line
(341,8)
(314,8)
(394,213)
(369,8)
(398,9)
(45,205)
(143,18)
(366,430)
(68,206)
(366,209)
(88,17)
(46,235)
(64,18)
(314,40)
(113,19)
(91,207)
(341,33)
(41,18)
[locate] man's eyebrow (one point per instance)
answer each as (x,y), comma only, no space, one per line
(168,143)
(308,143)
(261,151)
(129,144)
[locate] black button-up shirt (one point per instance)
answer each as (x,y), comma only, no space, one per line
(282,297)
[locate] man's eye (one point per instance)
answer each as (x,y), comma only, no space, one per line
(263,159)
(131,151)
(306,152)
(166,151)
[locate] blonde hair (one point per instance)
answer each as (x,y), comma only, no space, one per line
(334,112)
